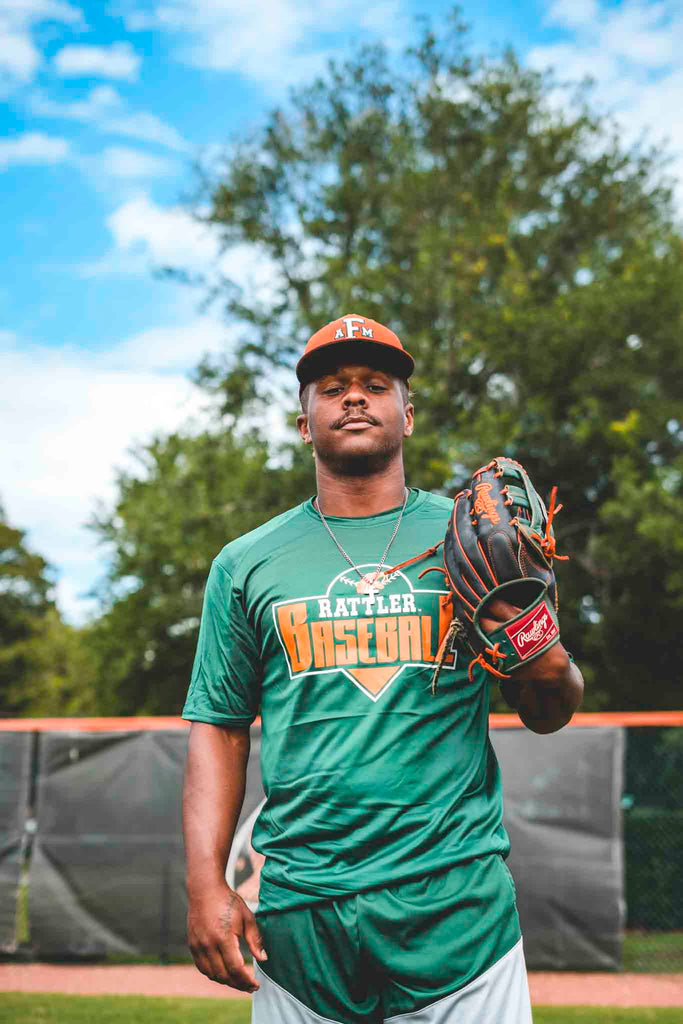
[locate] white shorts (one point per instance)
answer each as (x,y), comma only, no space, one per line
(500,995)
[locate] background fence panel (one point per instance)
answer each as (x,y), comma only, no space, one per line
(15,781)
(562,812)
(107,868)
(108,872)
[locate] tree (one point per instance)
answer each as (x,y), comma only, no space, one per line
(531,264)
(44,668)
(189,497)
(24,602)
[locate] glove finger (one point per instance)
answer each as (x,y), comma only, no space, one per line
(472,565)
(498,539)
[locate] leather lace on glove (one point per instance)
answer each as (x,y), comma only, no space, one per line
(500,544)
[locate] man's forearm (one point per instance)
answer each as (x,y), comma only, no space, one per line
(215,776)
(218,918)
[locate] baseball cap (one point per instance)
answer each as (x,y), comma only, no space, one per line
(353,339)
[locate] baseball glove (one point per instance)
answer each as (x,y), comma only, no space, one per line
(500,544)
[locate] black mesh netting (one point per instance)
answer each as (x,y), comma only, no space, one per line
(15,778)
(653,842)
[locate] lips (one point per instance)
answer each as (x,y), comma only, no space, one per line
(356,422)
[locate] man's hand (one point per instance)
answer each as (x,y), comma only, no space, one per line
(215,921)
(546,692)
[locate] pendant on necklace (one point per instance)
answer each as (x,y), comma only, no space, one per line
(372,583)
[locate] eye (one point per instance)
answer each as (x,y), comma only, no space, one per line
(377,387)
(332,389)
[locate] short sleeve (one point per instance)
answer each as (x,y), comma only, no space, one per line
(226,676)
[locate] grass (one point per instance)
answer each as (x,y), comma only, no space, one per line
(605,1015)
(653,952)
(20,1008)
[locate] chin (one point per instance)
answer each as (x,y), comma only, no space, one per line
(361,462)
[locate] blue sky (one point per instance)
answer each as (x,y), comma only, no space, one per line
(104,107)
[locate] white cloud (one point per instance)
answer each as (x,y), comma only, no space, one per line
(620,46)
(104,108)
(100,101)
(27,12)
(146,126)
(574,63)
(634,53)
(113,164)
(642,32)
(19,57)
(147,236)
(72,416)
(130,164)
(277,41)
(573,13)
(167,349)
(33,148)
(116,61)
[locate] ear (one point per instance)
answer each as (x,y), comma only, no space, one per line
(409,420)
(302,427)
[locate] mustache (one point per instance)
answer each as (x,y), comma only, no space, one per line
(365,418)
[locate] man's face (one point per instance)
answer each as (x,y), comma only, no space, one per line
(356,418)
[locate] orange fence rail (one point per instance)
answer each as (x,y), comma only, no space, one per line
(150,723)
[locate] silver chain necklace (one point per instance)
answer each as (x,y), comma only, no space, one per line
(348,558)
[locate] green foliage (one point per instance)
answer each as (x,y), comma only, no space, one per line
(531,265)
(191,496)
(654,768)
(26,611)
(45,667)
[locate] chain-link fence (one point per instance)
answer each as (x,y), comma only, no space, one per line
(653,845)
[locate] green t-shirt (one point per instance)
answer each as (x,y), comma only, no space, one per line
(369,778)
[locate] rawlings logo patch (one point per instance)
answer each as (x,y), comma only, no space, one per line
(484,504)
(533,632)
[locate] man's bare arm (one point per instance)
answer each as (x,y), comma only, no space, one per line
(215,776)
(546,693)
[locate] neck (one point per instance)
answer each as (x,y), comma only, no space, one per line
(360,495)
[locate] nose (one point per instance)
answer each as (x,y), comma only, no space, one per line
(355,395)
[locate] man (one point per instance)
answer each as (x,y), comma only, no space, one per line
(384,894)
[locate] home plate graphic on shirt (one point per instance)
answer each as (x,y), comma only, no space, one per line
(369,629)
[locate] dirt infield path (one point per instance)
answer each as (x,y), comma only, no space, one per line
(546,988)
